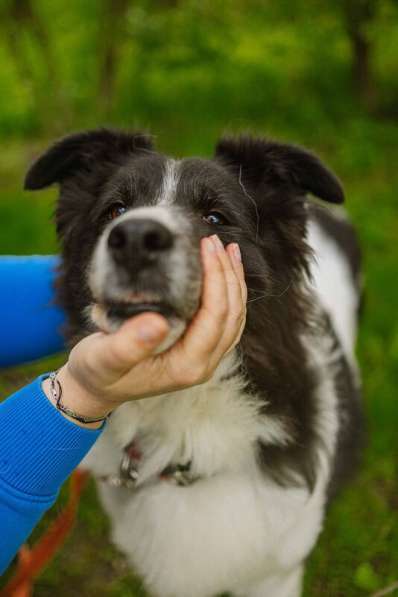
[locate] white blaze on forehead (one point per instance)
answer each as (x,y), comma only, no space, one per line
(168,189)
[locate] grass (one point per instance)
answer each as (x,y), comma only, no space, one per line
(358,550)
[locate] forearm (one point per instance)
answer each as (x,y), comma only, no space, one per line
(39,448)
(30,322)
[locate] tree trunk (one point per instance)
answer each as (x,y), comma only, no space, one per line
(113,17)
(358,14)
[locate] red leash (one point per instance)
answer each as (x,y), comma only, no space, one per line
(32,560)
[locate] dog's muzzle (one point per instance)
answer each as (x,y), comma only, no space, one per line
(136,246)
(146,260)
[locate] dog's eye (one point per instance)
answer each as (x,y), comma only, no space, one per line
(214,218)
(116,210)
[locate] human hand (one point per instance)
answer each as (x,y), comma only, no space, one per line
(105,370)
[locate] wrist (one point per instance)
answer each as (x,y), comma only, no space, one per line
(78,399)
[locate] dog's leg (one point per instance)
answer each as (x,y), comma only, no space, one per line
(286,585)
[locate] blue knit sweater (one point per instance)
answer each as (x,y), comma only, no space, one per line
(39,448)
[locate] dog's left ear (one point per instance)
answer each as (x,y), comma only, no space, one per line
(99,150)
(257,161)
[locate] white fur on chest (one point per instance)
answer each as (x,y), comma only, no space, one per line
(214,426)
(231,528)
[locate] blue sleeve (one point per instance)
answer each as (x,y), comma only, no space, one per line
(39,449)
(29,321)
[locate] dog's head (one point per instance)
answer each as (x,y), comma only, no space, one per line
(131,219)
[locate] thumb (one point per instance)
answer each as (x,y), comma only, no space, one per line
(135,340)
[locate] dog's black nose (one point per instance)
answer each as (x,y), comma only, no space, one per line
(140,239)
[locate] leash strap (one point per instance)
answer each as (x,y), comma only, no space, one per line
(32,561)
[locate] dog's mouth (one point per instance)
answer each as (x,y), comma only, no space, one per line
(124,310)
(108,315)
(110,312)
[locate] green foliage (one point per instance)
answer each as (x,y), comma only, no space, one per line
(365,577)
(64,66)
(189,70)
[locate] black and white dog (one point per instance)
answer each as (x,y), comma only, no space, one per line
(221,487)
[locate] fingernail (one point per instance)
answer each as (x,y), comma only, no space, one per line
(217,243)
(236,252)
(209,245)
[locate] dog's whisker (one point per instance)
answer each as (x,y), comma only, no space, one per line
(252,200)
(269,294)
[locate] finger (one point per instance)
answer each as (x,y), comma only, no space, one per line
(135,340)
(205,331)
(236,306)
(236,259)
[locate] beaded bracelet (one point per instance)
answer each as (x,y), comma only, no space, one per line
(56,391)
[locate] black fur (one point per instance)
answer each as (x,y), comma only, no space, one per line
(260,186)
(93,151)
(261,161)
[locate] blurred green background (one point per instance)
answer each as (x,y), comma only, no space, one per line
(320,73)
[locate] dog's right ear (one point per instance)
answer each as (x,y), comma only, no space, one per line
(258,161)
(81,152)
